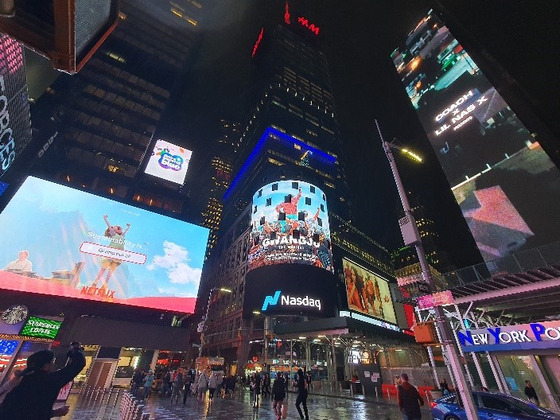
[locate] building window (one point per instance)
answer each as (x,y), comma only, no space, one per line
(301,216)
(308,201)
(255,210)
(322,207)
(259,193)
(274,187)
(288,198)
(295,185)
(312,189)
(269,201)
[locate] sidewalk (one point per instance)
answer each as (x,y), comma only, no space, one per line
(321,407)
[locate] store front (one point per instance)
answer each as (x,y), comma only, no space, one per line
(525,352)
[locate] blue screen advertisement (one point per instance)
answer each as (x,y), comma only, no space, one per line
(65,242)
(506,185)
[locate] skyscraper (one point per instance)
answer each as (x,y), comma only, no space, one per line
(103,123)
(287,246)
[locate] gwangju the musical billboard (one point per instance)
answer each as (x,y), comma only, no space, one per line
(290,225)
(65,242)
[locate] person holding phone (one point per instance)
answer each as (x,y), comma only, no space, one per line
(35,395)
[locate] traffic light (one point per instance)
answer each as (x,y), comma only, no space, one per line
(67,32)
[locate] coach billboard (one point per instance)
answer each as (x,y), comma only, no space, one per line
(70,243)
(499,174)
(290,225)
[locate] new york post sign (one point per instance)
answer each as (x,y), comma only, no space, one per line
(537,335)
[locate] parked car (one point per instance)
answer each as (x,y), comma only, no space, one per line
(490,406)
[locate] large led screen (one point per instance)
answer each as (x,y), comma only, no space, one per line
(15,117)
(290,225)
(506,185)
(169,161)
(64,242)
(368,293)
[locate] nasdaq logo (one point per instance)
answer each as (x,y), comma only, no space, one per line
(287,300)
(271,300)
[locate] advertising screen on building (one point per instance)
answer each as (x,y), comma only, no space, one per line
(41,327)
(506,185)
(15,117)
(69,243)
(290,225)
(368,293)
(169,161)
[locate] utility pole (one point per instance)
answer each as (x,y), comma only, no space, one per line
(411,236)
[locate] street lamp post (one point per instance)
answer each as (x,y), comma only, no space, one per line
(411,236)
(202,325)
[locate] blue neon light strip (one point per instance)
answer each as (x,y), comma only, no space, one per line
(257,149)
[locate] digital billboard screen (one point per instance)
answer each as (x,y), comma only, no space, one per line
(368,293)
(169,161)
(290,225)
(15,116)
(41,327)
(70,243)
(506,185)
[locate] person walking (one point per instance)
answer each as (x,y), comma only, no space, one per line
(189,380)
(137,381)
(201,386)
(177,386)
(531,393)
(409,399)
(212,385)
(278,395)
(148,382)
(302,395)
(35,395)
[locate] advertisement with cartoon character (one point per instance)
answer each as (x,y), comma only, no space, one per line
(75,244)
(169,161)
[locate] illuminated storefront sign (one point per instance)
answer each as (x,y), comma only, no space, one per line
(537,335)
(435,299)
(290,226)
(79,245)
(286,300)
(41,327)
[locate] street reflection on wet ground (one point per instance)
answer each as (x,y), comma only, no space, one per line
(239,407)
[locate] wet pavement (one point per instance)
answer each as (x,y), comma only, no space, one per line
(238,407)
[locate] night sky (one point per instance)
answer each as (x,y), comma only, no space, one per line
(358,37)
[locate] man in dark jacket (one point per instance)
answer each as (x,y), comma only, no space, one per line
(409,399)
(278,395)
(34,397)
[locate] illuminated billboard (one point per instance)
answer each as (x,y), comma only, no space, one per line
(290,225)
(69,243)
(15,117)
(41,327)
(506,185)
(169,161)
(368,293)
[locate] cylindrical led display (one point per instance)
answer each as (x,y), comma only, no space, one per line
(290,225)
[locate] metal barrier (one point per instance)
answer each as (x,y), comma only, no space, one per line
(132,408)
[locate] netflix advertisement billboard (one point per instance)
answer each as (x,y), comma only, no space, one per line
(506,185)
(65,242)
